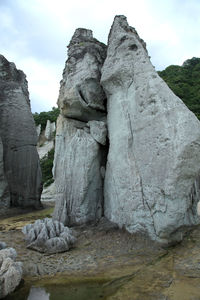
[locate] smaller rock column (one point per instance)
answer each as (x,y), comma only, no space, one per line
(79,147)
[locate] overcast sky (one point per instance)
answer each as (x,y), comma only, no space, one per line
(34,35)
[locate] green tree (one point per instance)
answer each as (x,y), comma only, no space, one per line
(184,81)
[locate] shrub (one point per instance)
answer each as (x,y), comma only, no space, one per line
(46,164)
(184,81)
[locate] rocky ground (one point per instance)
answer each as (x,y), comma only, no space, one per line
(135,267)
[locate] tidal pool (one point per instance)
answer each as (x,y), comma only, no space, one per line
(54,291)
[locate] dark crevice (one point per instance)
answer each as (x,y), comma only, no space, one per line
(104,156)
(82,97)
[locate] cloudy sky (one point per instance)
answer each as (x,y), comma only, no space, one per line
(34,34)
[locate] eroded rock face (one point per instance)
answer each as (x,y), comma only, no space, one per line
(151,181)
(81,133)
(19,138)
(10,271)
(81,96)
(48,236)
(78,181)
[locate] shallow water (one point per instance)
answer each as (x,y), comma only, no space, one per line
(74,291)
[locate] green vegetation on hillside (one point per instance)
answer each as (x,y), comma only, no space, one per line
(184,81)
(46,164)
(42,117)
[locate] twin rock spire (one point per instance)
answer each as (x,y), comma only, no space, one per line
(142,172)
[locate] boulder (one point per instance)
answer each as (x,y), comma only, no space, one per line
(153,166)
(48,236)
(10,271)
(19,138)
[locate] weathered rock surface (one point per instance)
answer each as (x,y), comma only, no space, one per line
(19,138)
(78,181)
(81,96)
(151,182)
(81,133)
(48,236)
(98,131)
(4,192)
(10,271)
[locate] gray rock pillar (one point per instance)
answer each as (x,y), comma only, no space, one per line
(79,150)
(154,153)
(19,138)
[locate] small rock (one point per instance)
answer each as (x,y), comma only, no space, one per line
(10,271)
(48,236)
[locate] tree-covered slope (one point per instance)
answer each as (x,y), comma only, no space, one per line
(184,81)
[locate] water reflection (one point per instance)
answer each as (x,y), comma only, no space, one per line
(37,293)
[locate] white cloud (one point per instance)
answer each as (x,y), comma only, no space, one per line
(34,34)
(43,83)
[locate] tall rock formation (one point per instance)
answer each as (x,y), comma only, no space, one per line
(152,176)
(81,133)
(19,138)
(151,181)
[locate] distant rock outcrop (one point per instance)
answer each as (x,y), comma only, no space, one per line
(46,138)
(19,138)
(152,172)
(49,130)
(79,153)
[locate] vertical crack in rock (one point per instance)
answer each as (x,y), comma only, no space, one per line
(81,133)
(161,163)
(4,191)
(19,138)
